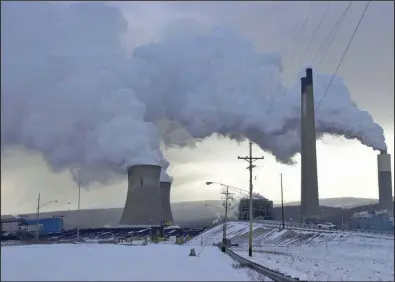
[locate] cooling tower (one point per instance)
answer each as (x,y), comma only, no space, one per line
(166,206)
(143,202)
(385,181)
(309,186)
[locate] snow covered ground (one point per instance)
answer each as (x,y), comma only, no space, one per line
(312,255)
(110,262)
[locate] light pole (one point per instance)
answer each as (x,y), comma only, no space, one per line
(227,194)
(79,202)
(282,200)
(38,214)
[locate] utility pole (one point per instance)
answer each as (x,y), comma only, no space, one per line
(282,200)
(37,216)
(227,198)
(250,160)
(79,201)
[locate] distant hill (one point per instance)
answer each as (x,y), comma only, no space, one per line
(197,214)
(347,202)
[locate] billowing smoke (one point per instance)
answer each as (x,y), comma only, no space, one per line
(71,92)
(218,83)
(62,93)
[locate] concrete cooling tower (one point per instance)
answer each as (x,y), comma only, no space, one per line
(166,206)
(385,181)
(143,202)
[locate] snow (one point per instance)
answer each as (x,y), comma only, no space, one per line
(111,262)
(312,255)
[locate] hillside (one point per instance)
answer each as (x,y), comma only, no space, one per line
(197,214)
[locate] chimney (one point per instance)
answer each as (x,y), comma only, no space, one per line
(143,202)
(385,181)
(309,205)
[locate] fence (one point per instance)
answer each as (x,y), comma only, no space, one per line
(274,275)
(314,227)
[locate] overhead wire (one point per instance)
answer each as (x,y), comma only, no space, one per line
(332,32)
(297,39)
(314,34)
(334,35)
(344,55)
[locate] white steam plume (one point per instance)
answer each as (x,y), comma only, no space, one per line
(70,92)
(218,83)
(62,95)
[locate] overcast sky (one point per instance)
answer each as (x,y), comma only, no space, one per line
(345,168)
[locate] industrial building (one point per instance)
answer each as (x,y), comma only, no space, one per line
(45,225)
(12,224)
(262,208)
(309,182)
(372,220)
(148,199)
(385,182)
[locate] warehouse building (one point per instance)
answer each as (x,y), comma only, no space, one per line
(45,225)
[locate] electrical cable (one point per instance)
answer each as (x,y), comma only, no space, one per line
(333,31)
(343,56)
(331,40)
(314,34)
(297,39)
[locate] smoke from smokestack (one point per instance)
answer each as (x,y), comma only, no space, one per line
(70,92)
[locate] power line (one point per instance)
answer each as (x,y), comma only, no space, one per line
(343,56)
(333,31)
(314,34)
(297,39)
(334,35)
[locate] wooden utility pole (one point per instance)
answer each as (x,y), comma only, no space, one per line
(37,217)
(250,160)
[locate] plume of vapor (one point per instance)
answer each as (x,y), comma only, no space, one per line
(71,92)
(61,92)
(218,83)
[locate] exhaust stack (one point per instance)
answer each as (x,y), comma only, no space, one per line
(143,202)
(166,206)
(309,182)
(385,181)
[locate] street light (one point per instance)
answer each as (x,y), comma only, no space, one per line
(38,213)
(224,240)
(282,200)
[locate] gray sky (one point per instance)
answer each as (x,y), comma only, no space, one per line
(345,168)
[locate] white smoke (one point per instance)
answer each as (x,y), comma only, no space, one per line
(62,93)
(71,92)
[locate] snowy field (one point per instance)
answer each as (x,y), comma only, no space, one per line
(311,255)
(88,262)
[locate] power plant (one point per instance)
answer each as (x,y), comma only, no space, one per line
(385,181)
(309,183)
(166,207)
(143,202)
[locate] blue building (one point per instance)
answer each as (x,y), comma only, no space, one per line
(45,225)
(372,220)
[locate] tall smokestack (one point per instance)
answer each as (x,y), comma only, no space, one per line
(143,202)
(303,145)
(309,189)
(166,206)
(385,181)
